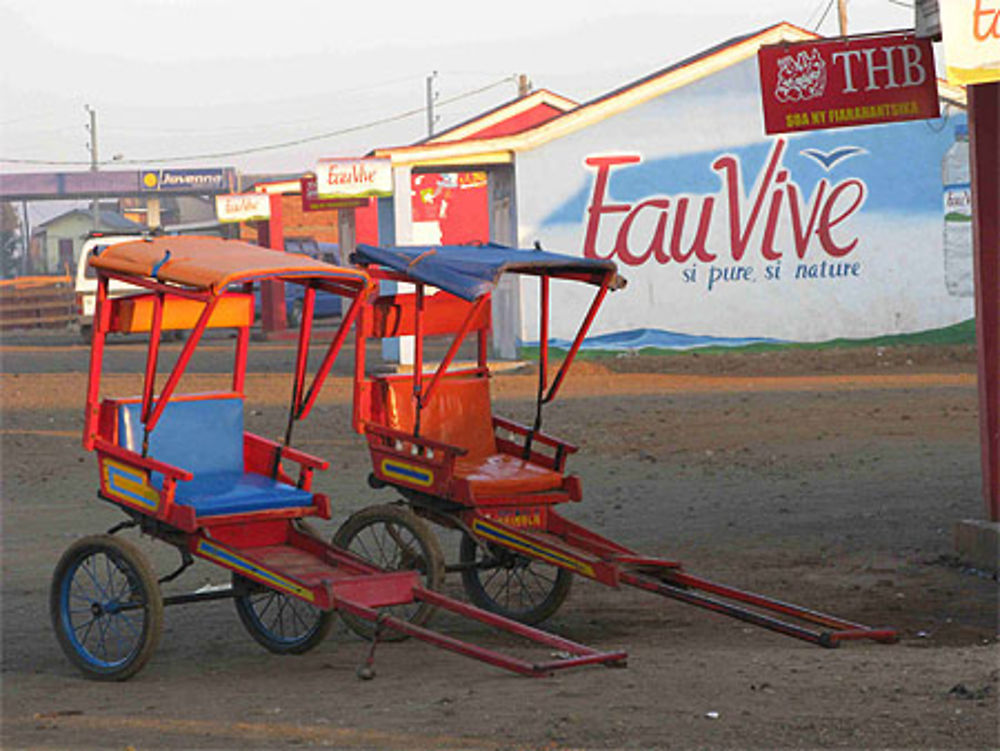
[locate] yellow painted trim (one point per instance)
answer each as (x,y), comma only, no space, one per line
(496,157)
(966,76)
(129,485)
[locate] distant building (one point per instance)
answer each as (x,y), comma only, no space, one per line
(56,243)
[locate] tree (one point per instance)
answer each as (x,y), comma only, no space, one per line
(10,241)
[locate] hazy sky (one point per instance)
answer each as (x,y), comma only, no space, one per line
(188,78)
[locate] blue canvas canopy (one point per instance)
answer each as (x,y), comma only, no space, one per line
(471,271)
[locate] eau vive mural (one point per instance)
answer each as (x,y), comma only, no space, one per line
(816,224)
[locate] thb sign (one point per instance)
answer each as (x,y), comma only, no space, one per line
(844,82)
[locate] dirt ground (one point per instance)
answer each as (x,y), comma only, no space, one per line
(826,478)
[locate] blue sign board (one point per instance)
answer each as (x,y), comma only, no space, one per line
(211,180)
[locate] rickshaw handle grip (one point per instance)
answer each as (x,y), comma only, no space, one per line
(142,461)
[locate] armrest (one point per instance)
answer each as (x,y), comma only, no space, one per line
(548,440)
(401,435)
(301,457)
(139,460)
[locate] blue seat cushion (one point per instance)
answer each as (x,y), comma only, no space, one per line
(204,434)
(200,433)
(238,493)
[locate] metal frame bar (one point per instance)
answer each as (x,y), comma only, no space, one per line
(453,349)
(680,585)
(584,328)
(582,655)
(353,313)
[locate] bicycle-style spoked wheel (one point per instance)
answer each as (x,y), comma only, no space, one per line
(280,623)
(393,538)
(106,607)
(512,585)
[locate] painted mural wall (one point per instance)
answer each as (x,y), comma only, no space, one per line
(727,236)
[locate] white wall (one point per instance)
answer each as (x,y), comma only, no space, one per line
(874,195)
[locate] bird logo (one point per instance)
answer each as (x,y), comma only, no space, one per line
(830,158)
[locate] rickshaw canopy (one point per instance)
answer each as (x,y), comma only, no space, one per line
(471,271)
(212,264)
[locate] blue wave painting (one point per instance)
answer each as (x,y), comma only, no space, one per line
(637,339)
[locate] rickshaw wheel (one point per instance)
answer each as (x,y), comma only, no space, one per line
(106,607)
(394,539)
(278,622)
(514,586)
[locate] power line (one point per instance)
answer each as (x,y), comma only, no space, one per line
(326,95)
(822,18)
(265,147)
(815,13)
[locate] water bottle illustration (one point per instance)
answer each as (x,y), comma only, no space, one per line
(957,215)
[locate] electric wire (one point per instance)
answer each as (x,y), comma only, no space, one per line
(826,12)
(266,147)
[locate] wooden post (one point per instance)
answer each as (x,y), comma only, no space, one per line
(842,16)
(271,234)
(984,145)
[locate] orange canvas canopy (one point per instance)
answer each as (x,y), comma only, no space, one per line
(211,263)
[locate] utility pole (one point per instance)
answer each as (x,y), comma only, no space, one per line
(26,243)
(842,16)
(431,96)
(92,128)
(523,85)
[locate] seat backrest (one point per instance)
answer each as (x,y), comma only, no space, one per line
(202,433)
(459,412)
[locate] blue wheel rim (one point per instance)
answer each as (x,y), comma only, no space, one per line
(282,619)
(100,615)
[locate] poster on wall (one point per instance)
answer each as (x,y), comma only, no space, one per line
(971,35)
(449,208)
(846,82)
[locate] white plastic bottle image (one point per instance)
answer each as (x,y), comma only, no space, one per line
(957,215)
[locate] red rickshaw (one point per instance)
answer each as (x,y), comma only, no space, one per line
(434,438)
(184,471)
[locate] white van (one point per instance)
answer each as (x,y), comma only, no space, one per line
(86,279)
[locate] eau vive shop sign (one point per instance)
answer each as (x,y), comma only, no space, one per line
(353,178)
(677,229)
(838,83)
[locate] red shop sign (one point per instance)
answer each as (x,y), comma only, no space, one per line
(312,202)
(838,83)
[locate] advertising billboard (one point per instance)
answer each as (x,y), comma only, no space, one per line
(729,236)
(202,180)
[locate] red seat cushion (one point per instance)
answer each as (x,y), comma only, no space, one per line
(459,412)
(502,474)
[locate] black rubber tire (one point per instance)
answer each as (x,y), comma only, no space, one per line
(512,585)
(278,622)
(384,536)
(99,574)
